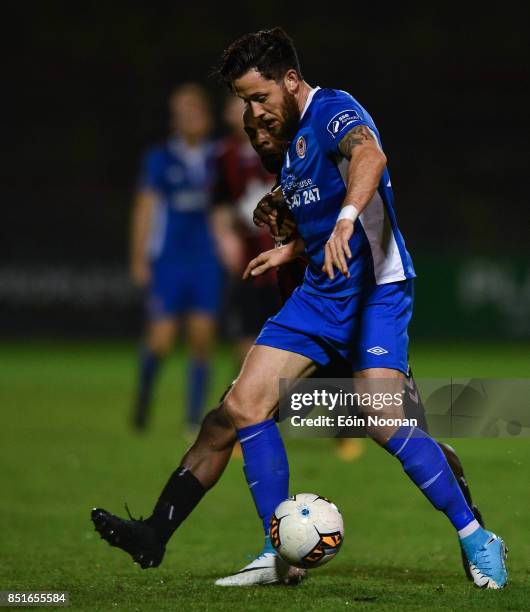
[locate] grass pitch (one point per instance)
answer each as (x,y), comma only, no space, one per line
(66,447)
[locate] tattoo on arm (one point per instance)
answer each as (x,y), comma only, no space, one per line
(358,135)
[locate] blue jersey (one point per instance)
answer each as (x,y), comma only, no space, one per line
(183,178)
(313,181)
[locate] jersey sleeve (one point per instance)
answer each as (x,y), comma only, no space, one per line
(151,171)
(337,115)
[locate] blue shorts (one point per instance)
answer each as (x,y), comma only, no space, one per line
(368,330)
(178,288)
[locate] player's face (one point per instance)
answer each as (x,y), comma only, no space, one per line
(190,116)
(269,148)
(270,102)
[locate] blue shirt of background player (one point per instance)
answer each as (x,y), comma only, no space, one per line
(313,180)
(183,178)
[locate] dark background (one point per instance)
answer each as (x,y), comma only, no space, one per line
(88,88)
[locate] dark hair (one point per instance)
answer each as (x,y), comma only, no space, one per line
(270,52)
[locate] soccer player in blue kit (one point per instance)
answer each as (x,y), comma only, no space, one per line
(204,462)
(173,255)
(356,299)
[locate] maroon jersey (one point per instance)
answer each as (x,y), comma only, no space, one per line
(240,167)
(241,182)
(290,276)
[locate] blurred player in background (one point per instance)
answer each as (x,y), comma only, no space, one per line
(241,182)
(173,255)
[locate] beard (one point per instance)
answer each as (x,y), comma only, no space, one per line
(291,117)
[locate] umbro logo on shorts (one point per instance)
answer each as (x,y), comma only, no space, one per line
(377,350)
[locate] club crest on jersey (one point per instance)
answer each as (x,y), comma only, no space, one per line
(301,147)
(341,120)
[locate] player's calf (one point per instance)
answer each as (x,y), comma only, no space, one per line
(426,465)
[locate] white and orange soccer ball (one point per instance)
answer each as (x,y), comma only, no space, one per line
(307,530)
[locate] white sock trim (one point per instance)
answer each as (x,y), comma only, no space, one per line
(469,529)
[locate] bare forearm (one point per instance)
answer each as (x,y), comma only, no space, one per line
(364,173)
(229,242)
(141,224)
(298,247)
(366,165)
(222,224)
(274,258)
(222,219)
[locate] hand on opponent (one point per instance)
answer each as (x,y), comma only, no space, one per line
(272,211)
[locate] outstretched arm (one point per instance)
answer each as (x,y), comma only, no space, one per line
(274,258)
(367,164)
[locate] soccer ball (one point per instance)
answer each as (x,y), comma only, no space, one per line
(307,530)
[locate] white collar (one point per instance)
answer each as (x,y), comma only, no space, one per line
(310,95)
(181,148)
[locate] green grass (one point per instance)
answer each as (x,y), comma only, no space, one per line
(65,447)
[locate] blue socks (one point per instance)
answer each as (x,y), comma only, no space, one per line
(198,384)
(268,547)
(199,374)
(267,473)
(426,465)
(266,467)
(149,365)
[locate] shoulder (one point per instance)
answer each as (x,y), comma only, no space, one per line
(328,96)
(331,99)
(335,113)
(335,108)
(156,153)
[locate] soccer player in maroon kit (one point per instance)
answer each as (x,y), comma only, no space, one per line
(242,181)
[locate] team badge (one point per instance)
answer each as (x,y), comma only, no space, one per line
(301,147)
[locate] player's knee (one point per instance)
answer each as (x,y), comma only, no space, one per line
(201,337)
(236,409)
(245,411)
(162,348)
(381,435)
(201,352)
(160,343)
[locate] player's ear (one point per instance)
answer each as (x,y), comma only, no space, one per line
(291,81)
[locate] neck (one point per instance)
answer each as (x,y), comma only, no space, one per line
(302,96)
(190,141)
